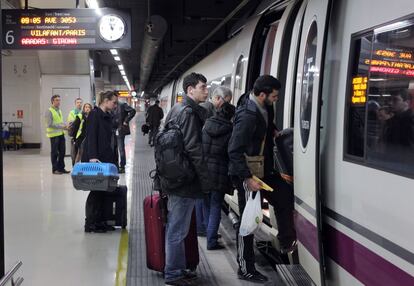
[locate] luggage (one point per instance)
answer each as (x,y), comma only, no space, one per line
(155,214)
(95,176)
(115,207)
(145,129)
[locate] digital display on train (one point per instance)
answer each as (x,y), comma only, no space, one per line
(392,61)
(82,29)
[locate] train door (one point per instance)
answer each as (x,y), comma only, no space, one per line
(308,219)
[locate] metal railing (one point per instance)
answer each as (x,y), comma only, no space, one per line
(9,276)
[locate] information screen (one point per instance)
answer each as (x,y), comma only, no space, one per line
(75,29)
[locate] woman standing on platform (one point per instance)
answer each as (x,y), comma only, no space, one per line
(99,147)
(81,134)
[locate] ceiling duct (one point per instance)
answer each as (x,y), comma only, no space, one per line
(153,36)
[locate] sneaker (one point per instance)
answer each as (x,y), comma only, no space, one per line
(190,275)
(121,170)
(255,276)
(293,246)
(218,246)
(183,281)
(64,171)
(57,172)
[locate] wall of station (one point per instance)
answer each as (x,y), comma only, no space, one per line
(21,94)
(69,87)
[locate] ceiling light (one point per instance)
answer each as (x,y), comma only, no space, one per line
(121,67)
(114,52)
(117,58)
(123,72)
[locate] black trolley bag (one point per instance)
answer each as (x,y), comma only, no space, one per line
(115,207)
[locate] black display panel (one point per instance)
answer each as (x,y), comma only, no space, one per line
(74,29)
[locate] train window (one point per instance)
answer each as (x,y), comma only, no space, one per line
(307,84)
(384,89)
(268,49)
(238,81)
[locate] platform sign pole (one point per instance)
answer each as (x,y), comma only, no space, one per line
(2,269)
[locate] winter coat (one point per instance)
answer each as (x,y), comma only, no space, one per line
(191,123)
(99,142)
(154,116)
(123,114)
(216,135)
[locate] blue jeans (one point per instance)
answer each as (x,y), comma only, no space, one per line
(214,217)
(178,225)
(202,213)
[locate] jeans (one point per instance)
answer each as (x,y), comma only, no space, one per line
(57,153)
(202,214)
(178,225)
(214,217)
(121,148)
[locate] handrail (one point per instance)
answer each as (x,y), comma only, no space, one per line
(9,276)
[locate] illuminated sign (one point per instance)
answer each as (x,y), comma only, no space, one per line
(179,98)
(359,89)
(123,93)
(66,29)
(392,61)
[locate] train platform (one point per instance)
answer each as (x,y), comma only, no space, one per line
(44,218)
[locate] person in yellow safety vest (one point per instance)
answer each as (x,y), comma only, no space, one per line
(54,130)
(76,112)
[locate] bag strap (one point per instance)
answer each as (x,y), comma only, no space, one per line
(177,118)
(263,144)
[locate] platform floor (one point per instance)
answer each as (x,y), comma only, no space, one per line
(44,218)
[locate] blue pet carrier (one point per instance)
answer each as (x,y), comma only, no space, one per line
(95,176)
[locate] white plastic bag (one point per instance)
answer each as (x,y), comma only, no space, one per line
(252,216)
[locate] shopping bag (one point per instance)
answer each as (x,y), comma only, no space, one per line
(252,216)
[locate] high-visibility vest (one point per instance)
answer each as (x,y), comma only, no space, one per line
(80,126)
(72,116)
(57,119)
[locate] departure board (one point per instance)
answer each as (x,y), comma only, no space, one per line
(75,29)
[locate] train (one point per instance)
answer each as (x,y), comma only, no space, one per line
(347,74)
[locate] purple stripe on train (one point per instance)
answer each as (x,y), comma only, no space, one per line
(366,266)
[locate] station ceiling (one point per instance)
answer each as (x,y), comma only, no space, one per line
(188,23)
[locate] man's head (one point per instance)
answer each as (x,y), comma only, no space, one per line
(78,103)
(400,101)
(55,100)
(266,89)
(221,95)
(195,86)
(157,102)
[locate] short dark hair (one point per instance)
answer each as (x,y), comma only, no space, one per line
(266,84)
(106,95)
(78,99)
(53,97)
(192,80)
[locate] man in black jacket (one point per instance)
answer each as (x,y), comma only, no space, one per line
(153,119)
(123,115)
(189,116)
(254,128)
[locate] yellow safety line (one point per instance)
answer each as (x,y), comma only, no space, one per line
(121,271)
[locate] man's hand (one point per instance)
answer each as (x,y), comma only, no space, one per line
(253,185)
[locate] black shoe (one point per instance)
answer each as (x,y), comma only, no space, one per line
(97,228)
(108,227)
(255,276)
(190,275)
(121,170)
(64,171)
(291,248)
(57,172)
(216,247)
(183,281)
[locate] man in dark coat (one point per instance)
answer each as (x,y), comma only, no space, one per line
(189,117)
(153,119)
(254,128)
(123,115)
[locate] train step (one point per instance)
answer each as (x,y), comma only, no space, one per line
(294,275)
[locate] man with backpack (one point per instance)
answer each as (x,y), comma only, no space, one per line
(183,173)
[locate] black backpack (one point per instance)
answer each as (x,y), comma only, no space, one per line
(173,164)
(74,127)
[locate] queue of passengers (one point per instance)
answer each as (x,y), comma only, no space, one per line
(217,139)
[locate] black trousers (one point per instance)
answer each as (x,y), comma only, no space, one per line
(74,151)
(57,152)
(94,208)
(153,132)
(282,201)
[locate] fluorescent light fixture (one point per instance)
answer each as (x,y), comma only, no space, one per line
(114,52)
(92,4)
(117,58)
(123,72)
(121,67)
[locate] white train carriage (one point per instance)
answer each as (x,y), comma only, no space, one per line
(347,70)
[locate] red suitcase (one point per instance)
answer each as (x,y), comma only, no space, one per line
(155,213)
